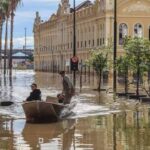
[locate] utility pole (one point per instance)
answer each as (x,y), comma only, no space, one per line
(115,49)
(25,44)
(74,40)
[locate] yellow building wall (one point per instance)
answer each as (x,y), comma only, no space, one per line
(94,27)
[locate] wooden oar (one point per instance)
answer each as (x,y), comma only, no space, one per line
(9,103)
(6,103)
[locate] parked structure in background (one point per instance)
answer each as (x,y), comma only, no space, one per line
(94,28)
(20,59)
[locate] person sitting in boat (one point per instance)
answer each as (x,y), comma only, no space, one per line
(68,88)
(35,94)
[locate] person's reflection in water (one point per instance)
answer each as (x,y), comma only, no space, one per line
(31,136)
(68,138)
(36,135)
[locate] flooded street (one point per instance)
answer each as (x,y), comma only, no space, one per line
(95,123)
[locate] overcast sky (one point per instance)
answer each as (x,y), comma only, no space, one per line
(24,18)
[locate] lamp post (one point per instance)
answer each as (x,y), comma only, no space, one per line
(25,40)
(115,49)
(25,36)
(74,39)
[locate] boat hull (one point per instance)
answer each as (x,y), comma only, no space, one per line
(40,112)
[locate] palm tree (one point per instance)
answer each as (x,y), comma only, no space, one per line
(13,6)
(6,13)
(2,19)
(7,8)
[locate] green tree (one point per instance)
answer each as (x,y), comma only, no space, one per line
(123,65)
(98,61)
(146,86)
(7,8)
(138,51)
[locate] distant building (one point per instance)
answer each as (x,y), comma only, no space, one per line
(19,57)
(94,27)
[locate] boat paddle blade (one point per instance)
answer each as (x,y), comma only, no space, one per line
(6,103)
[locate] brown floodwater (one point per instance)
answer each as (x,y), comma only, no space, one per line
(95,123)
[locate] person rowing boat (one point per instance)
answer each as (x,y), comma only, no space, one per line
(68,88)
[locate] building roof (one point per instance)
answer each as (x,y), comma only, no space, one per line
(19,54)
(27,51)
(83,4)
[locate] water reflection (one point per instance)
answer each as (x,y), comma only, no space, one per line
(104,130)
(38,136)
(6,132)
(127,130)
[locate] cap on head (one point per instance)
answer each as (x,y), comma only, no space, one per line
(62,72)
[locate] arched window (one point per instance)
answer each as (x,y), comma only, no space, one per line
(123,32)
(138,30)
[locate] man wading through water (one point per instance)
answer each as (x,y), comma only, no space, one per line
(68,88)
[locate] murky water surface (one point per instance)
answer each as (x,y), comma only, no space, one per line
(96,123)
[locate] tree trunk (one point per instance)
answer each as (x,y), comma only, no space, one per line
(148,81)
(99,84)
(126,80)
(149,73)
(11,43)
(138,80)
(1,29)
(138,74)
(6,42)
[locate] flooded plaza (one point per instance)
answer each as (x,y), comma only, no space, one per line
(95,123)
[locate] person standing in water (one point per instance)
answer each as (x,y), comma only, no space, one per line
(68,88)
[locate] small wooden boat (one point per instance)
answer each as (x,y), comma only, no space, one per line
(40,111)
